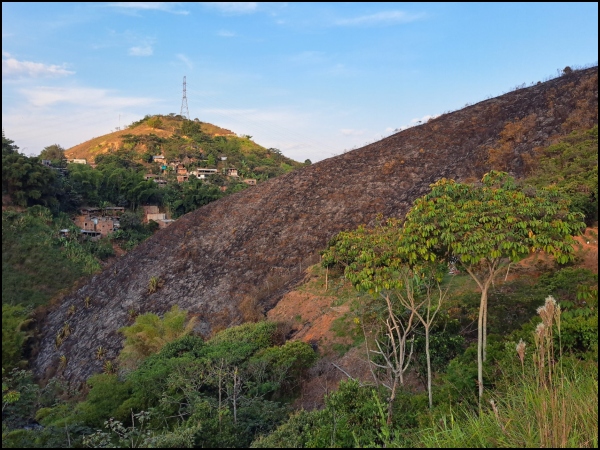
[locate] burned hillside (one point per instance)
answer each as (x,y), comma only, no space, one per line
(236,256)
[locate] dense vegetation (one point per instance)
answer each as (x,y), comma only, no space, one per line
(503,362)
(38,261)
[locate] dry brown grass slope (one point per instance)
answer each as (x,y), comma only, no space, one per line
(226,259)
(109,142)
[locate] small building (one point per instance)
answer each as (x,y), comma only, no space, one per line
(150,209)
(46,162)
(159,159)
(250,181)
(161,183)
(156,217)
(90,211)
(77,161)
(85,222)
(181,170)
(106,225)
(203,173)
(150,176)
(223,157)
(182,178)
(231,172)
(92,235)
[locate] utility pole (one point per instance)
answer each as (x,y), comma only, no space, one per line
(184,107)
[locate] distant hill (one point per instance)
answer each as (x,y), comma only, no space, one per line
(241,253)
(104,144)
(179,139)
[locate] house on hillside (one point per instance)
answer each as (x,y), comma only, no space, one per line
(250,181)
(231,172)
(181,170)
(182,178)
(153,213)
(96,224)
(92,235)
(203,173)
(159,159)
(161,183)
(106,225)
(150,176)
(223,157)
(77,161)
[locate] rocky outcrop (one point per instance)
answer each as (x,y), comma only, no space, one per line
(231,257)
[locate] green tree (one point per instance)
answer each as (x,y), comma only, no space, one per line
(13,321)
(154,122)
(24,179)
(150,333)
(54,153)
(485,228)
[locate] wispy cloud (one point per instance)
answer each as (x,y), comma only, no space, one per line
(44,96)
(233,7)
(146,50)
(380,18)
(184,59)
(352,132)
(226,34)
(13,68)
(170,7)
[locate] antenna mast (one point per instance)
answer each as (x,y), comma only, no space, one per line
(184,108)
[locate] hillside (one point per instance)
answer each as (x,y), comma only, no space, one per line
(224,261)
(195,143)
(104,144)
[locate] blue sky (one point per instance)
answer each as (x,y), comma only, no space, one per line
(312,79)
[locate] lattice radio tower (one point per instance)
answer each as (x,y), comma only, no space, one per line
(184,108)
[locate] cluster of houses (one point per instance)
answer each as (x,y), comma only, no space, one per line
(183,174)
(96,223)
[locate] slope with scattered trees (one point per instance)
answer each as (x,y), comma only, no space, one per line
(243,252)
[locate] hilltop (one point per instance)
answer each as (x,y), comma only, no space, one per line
(110,142)
(179,139)
(237,256)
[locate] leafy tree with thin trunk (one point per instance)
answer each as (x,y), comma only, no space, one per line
(485,227)
(376,260)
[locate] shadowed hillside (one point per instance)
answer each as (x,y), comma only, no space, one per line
(224,261)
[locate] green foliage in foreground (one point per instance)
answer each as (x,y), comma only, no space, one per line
(220,393)
(14,319)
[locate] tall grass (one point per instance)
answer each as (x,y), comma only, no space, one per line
(552,403)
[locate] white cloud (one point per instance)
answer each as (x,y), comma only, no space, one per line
(13,68)
(149,6)
(380,18)
(225,33)
(233,7)
(44,96)
(184,59)
(351,132)
(141,51)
